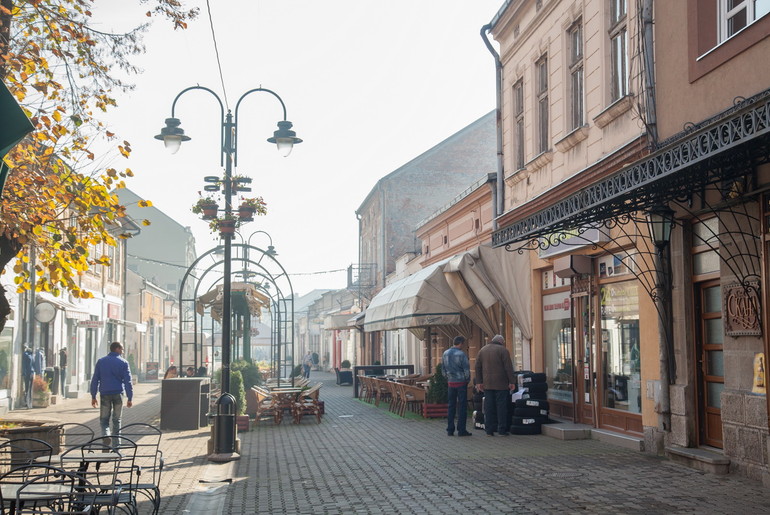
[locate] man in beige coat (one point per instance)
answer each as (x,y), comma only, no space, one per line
(494,377)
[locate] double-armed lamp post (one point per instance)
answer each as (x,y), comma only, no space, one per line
(172,136)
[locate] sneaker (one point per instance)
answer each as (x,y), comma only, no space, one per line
(465,434)
(505,434)
(449,434)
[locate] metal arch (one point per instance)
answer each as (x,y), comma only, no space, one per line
(282,336)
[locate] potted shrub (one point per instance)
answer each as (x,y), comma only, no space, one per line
(41,392)
(436,403)
(344,374)
(250,206)
(206,207)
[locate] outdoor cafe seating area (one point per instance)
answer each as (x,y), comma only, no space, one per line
(75,471)
(275,400)
(401,393)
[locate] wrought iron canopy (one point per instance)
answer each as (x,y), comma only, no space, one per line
(721,149)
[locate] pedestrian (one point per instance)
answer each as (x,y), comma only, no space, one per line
(307,362)
(457,370)
(62,370)
(171,372)
(39,361)
(112,376)
(494,377)
(190,371)
(28,375)
(202,371)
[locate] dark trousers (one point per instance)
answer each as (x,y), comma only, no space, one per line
(28,390)
(496,410)
(458,404)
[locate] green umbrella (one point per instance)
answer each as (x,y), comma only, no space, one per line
(14,125)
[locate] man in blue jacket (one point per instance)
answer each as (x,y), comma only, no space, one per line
(111,377)
(457,369)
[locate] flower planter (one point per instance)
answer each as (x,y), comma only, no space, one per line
(41,399)
(434,410)
(45,431)
(227,228)
(242,422)
(209,211)
(246,213)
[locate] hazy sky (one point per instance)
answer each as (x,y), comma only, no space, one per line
(369,85)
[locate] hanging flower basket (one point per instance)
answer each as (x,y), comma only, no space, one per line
(246,212)
(206,207)
(209,211)
(227,228)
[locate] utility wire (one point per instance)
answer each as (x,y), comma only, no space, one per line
(216,50)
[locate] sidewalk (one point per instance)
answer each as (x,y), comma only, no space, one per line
(364,459)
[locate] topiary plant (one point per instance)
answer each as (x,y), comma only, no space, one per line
(437,390)
(237,391)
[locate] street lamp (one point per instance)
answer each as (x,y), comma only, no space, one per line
(660,221)
(173,136)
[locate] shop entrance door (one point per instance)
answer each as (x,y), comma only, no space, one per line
(585,349)
(710,358)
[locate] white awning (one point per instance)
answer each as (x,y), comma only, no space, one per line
(71,310)
(336,322)
(483,276)
(420,300)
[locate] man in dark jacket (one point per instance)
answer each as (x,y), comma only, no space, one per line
(494,377)
(28,374)
(457,370)
(111,377)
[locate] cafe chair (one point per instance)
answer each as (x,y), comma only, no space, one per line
(148,460)
(307,404)
(70,434)
(21,452)
(11,481)
(109,464)
(58,492)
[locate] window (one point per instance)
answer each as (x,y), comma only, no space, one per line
(518,125)
(541,67)
(575,34)
(618,45)
(736,15)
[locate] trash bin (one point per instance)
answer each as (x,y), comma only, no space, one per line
(224,425)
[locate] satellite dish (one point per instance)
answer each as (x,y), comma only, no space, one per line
(45,312)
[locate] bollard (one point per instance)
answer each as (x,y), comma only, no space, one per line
(224,430)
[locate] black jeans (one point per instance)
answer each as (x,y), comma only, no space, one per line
(496,410)
(458,403)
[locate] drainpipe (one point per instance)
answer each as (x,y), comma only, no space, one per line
(498,198)
(649,72)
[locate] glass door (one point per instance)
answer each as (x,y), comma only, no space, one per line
(585,359)
(710,357)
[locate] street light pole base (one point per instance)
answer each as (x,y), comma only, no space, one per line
(224,457)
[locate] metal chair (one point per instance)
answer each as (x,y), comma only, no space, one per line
(148,460)
(71,434)
(58,492)
(108,463)
(21,452)
(11,481)
(307,404)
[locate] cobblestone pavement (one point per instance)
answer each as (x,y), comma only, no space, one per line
(363,459)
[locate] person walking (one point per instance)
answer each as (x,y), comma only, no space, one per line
(62,371)
(28,375)
(457,369)
(112,376)
(494,377)
(307,362)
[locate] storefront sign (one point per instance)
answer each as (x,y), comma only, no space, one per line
(742,309)
(91,324)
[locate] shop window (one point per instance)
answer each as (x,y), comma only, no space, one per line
(557,343)
(621,360)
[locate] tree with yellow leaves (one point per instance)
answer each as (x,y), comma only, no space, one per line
(62,72)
